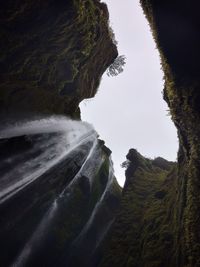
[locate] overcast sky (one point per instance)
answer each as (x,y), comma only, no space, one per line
(128,110)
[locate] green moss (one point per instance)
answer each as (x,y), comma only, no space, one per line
(143,234)
(57,52)
(180,64)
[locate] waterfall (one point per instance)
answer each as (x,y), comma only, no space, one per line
(95,229)
(44,163)
(58,138)
(52,140)
(98,204)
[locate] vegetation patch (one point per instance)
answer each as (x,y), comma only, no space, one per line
(144,233)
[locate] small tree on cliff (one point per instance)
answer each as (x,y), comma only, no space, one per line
(117,66)
(125,164)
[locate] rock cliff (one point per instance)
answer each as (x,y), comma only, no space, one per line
(175,26)
(144,232)
(58,193)
(52,54)
(162,228)
(55,211)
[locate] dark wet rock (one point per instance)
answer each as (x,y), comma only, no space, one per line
(158,223)
(142,222)
(27,217)
(52,54)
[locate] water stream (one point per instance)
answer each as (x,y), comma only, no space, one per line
(57,138)
(46,143)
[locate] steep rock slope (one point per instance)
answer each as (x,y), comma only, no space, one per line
(54,209)
(170,235)
(52,54)
(58,197)
(142,234)
(175,26)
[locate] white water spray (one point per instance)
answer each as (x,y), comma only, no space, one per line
(67,136)
(43,228)
(97,207)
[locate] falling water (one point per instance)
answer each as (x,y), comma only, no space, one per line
(93,232)
(41,231)
(43,228)
(58,138)
(51,141)
(98,204)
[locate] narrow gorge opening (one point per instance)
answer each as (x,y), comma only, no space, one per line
(60,202)
(129,110)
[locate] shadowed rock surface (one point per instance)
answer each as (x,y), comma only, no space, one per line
(179,49)
(161,224)
(52,54)
(58,194)
(53,202)
(141,234)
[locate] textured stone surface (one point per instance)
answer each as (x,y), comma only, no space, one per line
(52,54)
(175,27)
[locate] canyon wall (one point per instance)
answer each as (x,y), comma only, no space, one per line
(58,193)
(175,26)
(162,228)
(52,54)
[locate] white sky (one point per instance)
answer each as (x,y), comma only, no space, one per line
(128,110)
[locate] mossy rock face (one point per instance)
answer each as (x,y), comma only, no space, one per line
(159,212)
(52,54)
(144,231)
(175,26)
